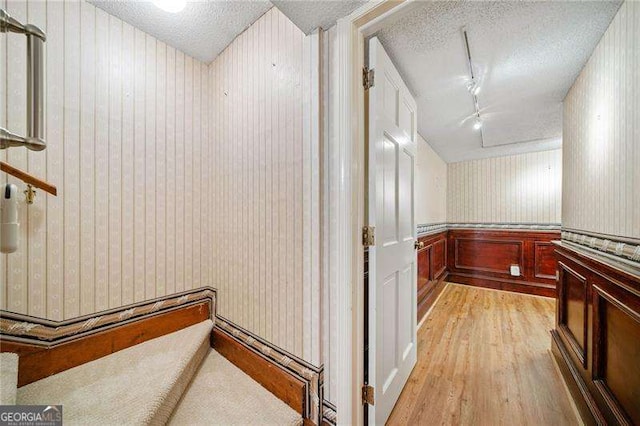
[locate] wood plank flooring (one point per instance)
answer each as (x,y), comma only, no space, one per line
(484,359)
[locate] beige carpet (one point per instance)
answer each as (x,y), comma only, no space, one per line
(140,385)
(222,394)
(8,378)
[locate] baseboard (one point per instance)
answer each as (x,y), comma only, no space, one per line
(276,380)
(291,379)
(39,361)
(525,287)
(584,402)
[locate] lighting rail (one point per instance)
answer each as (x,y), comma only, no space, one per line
(473,88)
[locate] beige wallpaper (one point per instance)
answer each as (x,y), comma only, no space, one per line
(601,184)
(523,188)
(126,123)
(172,174)
(431,185)
(262,187)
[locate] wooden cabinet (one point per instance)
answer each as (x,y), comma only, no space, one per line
(597,336)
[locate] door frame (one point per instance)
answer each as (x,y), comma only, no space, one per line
(348,115)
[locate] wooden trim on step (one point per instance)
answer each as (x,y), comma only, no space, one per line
(276,380)
(38,362)
(43,332)
(310,376)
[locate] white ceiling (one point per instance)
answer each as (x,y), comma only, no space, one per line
(204,28)
(526,55)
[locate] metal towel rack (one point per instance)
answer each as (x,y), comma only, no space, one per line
(34,140)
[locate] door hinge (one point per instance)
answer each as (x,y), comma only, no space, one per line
(368,236)
(368,78)
(368,395)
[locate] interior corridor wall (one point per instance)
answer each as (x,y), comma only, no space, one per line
(524,188)
(601,184)
(126,128)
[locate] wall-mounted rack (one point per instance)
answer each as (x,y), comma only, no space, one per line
(30,180)
(34,140)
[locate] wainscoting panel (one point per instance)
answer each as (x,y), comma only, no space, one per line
(484,257)
(544,260)
(432,270)
(573,305)
(596,341)
(487,255)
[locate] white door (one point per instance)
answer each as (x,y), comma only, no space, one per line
(392,267)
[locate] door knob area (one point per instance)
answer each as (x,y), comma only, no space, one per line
(418,245)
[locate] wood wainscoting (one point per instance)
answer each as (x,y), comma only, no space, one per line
(40,361)
(432,270)
(483,257)
(596,342)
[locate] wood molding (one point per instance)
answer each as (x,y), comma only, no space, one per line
(608,376)
(476,247)
(279,382)
(37,362)
(544,260)
(251,345)
(44,332)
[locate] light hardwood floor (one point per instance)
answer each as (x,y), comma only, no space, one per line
(484,359)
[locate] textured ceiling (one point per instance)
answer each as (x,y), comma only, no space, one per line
(204,28)
(526,55)
(311,14)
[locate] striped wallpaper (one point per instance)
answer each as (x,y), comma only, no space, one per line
(263,214)
(172,174)
(601,186)
(124,116)
(430,185)
(523,188)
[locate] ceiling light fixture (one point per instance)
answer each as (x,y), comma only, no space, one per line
(172,6)
(474,88)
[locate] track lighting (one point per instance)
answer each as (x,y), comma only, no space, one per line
(473,87)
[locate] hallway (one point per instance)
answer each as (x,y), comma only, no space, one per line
(484,359)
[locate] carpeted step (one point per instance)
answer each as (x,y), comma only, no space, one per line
(222,394)
(140,385)
(8,378)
